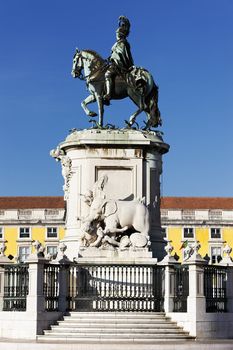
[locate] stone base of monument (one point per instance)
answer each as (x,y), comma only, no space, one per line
(114,254)
(118,169)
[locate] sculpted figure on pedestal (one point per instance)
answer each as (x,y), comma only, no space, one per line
(116,223)
(117,78)
(66,165)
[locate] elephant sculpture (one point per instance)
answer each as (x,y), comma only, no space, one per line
(117,218)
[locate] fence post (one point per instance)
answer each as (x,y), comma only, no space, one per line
(4,260)
(64,264)
(169,279)
(196,302)
(228,263)
(35,298)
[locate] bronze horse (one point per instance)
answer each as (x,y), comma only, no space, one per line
(137,84)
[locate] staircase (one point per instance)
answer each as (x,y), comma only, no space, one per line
(120,327)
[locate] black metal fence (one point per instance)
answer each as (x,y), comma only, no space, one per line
(116,287)
(16,283)
(51,286)
(181,288)
(112,287)
(215,278)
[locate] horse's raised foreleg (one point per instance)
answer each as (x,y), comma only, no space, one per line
(133,117)
(89,99)
(99,101)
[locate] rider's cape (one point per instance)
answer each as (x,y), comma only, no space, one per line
(121,55)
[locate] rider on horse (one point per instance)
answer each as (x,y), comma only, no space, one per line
(121,59)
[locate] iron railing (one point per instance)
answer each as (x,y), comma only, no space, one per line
(16,284)
(215,288)
(51,286)
(181,288)
(116,287)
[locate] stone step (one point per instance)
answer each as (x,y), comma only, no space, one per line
(116,314)
(116,338)
(114,326)
(113,330)
(121,324)
(135,320)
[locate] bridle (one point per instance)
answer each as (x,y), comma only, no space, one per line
(78,71)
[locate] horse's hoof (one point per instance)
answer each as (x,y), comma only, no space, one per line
(129,125)
(92,114)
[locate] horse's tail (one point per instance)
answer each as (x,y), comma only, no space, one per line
(151,104)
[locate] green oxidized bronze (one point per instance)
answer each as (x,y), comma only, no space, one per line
(117,78)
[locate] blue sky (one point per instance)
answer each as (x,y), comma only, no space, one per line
(186,44)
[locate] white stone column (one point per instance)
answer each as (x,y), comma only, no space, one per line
(35,298)
(4,260)
(196,301)
(228,263)
(169,279)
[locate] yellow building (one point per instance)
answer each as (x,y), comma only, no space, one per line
(205,219)
(24,219)
(208,220)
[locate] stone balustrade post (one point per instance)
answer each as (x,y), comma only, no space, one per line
(63,287)
(196,301)
(4,260)
(169,279)
(228,263)
(35,298)
(64,264)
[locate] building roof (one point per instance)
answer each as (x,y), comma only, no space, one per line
(32,203)
(197,203)
(166,203)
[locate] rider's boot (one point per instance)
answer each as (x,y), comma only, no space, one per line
(107,96)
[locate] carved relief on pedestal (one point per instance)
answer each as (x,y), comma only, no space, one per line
(114,224)
(66,164)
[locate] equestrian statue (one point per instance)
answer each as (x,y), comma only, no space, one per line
(117,78)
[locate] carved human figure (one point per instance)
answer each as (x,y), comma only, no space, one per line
(66,164)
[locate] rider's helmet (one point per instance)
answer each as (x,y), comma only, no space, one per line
(124,26)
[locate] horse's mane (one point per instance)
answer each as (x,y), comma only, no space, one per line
(94,53)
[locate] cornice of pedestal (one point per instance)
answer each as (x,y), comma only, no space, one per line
(115,138)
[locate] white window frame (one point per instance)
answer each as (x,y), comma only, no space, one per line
(52,238)
(20,246)
(51,245)
(215,238)
(190,239)
(214,246)
(25,238)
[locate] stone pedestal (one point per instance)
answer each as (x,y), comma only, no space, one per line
(132,161)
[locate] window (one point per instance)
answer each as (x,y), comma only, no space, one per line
(216,254)
(51,232)
(188,232)
(52,249)
(24,252)
(1,232)
(24,232)
(215,233)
